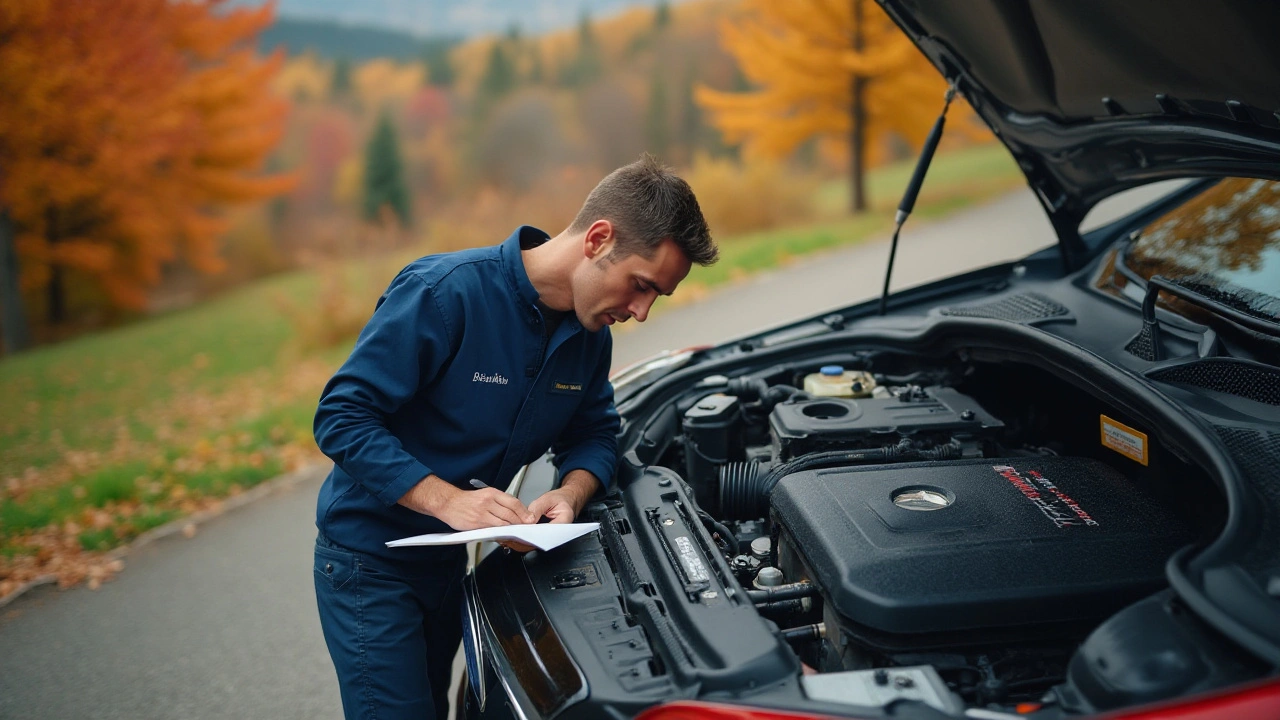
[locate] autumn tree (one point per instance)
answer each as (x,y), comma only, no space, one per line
(125,128)
(384,184)
(838,70)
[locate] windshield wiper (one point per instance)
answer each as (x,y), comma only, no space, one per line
(1146,344)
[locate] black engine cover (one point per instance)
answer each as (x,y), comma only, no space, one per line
(1022,541)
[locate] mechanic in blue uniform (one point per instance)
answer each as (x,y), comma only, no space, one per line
(474,364)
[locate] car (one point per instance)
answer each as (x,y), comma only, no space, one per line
(1048,488)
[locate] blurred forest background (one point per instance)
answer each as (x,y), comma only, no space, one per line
(199,204)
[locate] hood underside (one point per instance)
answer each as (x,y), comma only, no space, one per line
(1093,96)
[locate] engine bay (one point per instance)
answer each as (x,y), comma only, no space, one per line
(936,529)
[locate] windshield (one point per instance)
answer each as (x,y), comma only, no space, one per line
(1224,243)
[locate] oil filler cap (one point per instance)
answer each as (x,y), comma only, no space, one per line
(921,498)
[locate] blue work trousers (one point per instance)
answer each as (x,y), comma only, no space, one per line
(392,629)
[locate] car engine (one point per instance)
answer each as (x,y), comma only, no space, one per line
(902,525)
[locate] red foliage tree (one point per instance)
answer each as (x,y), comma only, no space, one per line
(125,128)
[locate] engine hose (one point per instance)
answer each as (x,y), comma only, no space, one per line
(783,607)
(782,592)
(740,490)
(715,526)
(816,631)
(755,389)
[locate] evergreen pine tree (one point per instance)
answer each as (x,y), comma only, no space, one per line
(435,56)
(662,15)
(499,75)
(340,86)
(656,131)
(384,181)
(586,66)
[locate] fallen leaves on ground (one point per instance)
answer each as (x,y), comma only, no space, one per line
(198,454)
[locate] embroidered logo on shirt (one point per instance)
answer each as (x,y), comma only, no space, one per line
(495,378)
(566,386)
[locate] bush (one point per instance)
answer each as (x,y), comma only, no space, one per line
(738,197)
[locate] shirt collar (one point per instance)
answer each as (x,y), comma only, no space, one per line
(518,278)
(513,263)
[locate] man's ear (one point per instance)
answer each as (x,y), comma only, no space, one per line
(599,239)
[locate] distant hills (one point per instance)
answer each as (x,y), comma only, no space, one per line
(453,18)
(400,29)
(334,40)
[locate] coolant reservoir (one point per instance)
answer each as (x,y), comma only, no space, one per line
(835,381)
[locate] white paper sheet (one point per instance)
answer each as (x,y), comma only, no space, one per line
(544,536)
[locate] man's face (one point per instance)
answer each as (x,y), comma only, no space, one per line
(609,289)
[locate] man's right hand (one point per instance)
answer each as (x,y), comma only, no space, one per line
(465,509)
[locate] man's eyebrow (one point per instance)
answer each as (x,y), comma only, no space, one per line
(652,285)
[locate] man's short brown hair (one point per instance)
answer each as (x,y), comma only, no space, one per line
(647,203)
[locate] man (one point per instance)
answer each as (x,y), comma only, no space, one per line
(473,364)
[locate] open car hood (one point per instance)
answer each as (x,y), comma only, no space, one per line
(1095,96)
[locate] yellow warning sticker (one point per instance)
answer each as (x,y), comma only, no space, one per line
(1124,440)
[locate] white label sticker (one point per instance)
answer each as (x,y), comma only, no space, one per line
(693,566)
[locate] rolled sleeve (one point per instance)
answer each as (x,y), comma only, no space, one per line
(403,345)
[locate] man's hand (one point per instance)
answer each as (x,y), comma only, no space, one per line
(561,505)
(465,509)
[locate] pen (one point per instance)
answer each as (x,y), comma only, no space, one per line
(479,484)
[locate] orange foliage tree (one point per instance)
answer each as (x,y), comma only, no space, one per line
(125,127)
(834,69)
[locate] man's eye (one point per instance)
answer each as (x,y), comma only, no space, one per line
(640,288)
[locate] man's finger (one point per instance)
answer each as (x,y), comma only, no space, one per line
(505,515)
(511,502)
(560,513)
(540,506)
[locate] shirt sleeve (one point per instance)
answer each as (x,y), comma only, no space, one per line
(590,441)
(404,344)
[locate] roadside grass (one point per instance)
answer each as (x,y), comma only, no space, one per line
(109,435)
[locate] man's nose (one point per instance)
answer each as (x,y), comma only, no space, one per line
(640,309)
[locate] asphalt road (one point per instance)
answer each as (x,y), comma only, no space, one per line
(224,625)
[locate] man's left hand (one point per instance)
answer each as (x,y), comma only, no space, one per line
(560,505)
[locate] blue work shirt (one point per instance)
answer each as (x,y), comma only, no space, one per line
(454,376)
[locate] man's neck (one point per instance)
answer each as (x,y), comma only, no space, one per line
(549,266)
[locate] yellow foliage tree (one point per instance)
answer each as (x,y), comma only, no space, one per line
(833,69)
(303,78)
(379,83)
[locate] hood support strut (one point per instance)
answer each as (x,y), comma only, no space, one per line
(913,189)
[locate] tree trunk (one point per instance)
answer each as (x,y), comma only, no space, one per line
(13,322)
(57,295)
(858,123)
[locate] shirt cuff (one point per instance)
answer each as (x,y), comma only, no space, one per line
(395,489)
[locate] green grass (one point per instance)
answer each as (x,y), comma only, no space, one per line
(965,171)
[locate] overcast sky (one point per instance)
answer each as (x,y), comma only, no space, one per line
(451,17)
